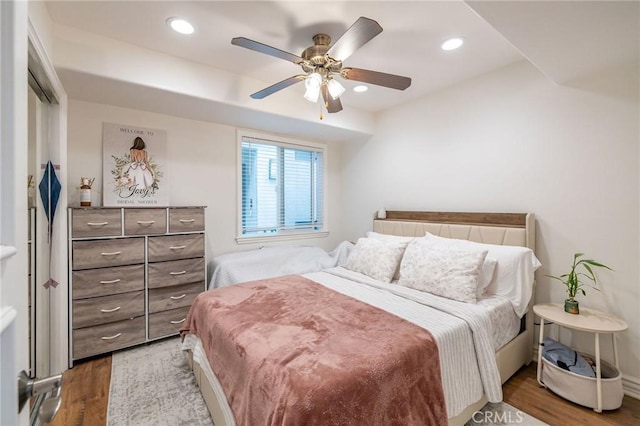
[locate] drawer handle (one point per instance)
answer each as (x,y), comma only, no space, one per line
(187,220)
(177,247)
(146,222)
(115,336)
(117,280)
(177,297)
(113,253)
(106,311)
(178,322)
(178,273)
(97,223)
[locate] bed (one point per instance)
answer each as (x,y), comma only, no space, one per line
(470,377)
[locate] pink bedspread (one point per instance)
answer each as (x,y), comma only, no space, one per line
(289,351)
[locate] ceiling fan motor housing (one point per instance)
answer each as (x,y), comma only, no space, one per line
(316,57)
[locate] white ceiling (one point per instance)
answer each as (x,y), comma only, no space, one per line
(497,33)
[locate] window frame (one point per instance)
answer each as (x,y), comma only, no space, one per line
(287,142)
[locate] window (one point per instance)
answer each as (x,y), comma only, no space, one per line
(282,187)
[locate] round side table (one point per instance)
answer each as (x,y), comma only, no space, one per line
(589,320)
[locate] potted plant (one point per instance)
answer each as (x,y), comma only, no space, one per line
(573,283)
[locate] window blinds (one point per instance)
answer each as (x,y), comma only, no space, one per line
(282,187)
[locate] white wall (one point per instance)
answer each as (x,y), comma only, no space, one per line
(202,168)
(512,141)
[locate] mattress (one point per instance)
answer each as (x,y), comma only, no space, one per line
(466,346)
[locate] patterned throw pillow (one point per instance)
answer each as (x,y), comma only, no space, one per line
(376,259)
(488,267)
(447,272)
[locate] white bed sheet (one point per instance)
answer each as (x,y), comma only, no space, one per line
(505,322)
(267,262)
(467,358)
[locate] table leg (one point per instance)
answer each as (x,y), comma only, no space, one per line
(615,350)
(540,339)
(598,407)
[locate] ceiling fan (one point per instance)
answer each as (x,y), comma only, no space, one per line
(322,62)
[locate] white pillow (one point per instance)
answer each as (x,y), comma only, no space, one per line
(376,259)
(395,238)
(514,273)
(448,272)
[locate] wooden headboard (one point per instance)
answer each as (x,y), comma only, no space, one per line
(513,229)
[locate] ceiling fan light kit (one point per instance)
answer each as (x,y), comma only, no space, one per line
(335,88)
(312,84)
(322,62)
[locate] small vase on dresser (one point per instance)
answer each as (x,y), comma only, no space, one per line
(133,274)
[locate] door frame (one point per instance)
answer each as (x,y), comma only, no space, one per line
(59,296)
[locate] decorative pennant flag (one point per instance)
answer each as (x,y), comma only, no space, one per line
(50,194)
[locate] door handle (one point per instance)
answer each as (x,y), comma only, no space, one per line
(28,387)
(50,406)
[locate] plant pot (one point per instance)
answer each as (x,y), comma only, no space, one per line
(571,306)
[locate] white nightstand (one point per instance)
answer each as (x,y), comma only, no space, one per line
(589,320)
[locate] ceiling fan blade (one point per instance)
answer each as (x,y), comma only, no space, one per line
(278,86)
(375,77)
(267,50)
(332,105)
(358,34)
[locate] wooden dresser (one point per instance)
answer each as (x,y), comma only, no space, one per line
(133,274)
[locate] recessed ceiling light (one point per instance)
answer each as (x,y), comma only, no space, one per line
(180,25)
(360,88)
(452,43)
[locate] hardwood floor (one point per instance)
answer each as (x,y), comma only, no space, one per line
(86,393)
(523,392)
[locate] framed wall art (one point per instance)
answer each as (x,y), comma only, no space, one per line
(134,167)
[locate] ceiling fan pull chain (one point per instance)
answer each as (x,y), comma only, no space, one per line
(320,103)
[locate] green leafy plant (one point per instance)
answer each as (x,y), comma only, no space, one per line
(573,279)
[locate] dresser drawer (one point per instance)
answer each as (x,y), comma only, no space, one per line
(162,299)
(105,309)
(168,322)
(95,223)
(106,281)
(176,247)
(145,221)
(104,338)
(102,253)
(186,219)
(164,274)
